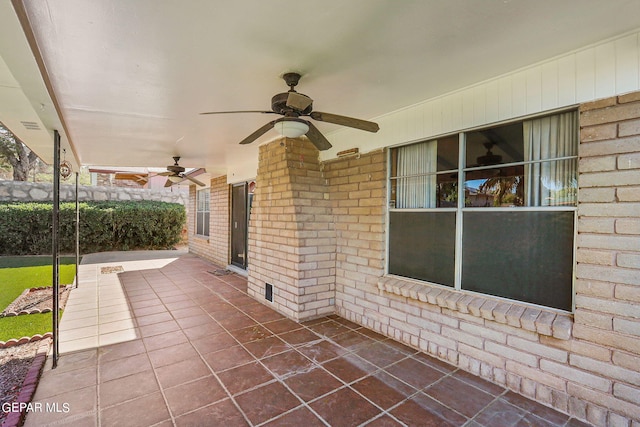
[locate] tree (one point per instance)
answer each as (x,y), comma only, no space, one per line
(21,159)
(506,190)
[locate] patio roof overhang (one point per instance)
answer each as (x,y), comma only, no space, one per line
(124,83)
(28,105)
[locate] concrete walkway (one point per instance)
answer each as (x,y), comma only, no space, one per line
(97,313)
(177,342)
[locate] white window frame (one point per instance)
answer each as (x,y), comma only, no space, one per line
(200,213)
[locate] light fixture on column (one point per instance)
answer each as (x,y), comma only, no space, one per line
(291,127)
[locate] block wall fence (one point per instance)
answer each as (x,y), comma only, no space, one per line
(317,234)
(25,191)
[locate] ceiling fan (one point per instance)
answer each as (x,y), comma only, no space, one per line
(489,159)
(292,106)
(175,174)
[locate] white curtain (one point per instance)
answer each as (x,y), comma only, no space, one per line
(551,183)
(416,189)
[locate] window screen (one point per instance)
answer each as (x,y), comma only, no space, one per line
(422,245)
(526,256)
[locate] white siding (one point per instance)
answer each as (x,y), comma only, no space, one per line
(606,69)
(627,62)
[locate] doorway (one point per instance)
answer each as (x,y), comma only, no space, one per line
(241,198)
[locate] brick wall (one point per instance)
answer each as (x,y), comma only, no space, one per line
(215,247)
(219,230)
(358,195)
(292,241)
(588,367)
(607,316)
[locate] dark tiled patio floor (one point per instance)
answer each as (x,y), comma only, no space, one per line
(206,354)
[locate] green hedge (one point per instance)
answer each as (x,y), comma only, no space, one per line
(25,228)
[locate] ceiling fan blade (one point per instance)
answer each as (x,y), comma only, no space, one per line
(168,183)
(298,101)
(239,111)
(257,134)
(195,181)
(317,138)
(345,121)
(164,173)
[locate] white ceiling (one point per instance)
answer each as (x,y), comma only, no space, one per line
(132,76)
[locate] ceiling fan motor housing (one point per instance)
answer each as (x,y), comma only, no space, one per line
(175,169)
(279,105)
(489,159)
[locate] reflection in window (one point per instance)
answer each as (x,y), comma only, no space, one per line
(447,191)
(495,146)
(551,183)
(541,155)
(503,187)
(424,175)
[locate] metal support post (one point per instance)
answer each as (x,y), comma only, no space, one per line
(55,244)
(77,228)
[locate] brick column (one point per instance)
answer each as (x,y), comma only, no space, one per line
(607,317)
(292,241)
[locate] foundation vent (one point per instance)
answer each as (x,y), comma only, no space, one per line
(268,292)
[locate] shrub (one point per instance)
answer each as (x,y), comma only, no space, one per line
(25,228)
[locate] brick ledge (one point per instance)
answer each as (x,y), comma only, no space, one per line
(544,322)
(29,384)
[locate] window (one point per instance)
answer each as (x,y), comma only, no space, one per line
(202,212)
(489,211)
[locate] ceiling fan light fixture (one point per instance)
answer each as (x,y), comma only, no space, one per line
(292,128)
(174,178)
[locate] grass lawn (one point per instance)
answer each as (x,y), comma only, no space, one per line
(32,260)
(13,281)
(25,326)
